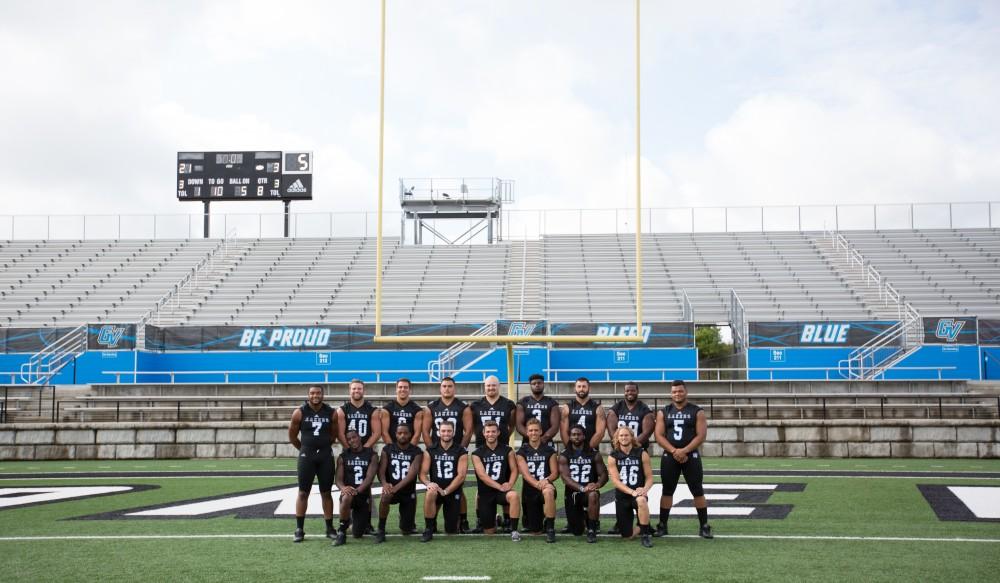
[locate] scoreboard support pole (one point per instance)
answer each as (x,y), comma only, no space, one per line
(206,220)
(288,215)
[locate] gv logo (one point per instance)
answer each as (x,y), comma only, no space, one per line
(948,329)
(110,336)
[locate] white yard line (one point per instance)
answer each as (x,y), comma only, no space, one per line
(318,537)
(457,578)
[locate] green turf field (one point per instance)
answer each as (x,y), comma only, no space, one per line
(836,527)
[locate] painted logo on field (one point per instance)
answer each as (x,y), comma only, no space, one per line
(965,503)
(20,497)
(724,500)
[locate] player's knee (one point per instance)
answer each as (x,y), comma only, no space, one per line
(642,502)
(513,498)
(549,494)
(304,494)
(346,498)
(593,497)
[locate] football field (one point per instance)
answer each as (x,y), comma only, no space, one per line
(774,519)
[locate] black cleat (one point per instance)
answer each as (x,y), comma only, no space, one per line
(646,541)
(613,530)
(464,527)
(369,529)
(550,535)
(591,536)
(379,536)
(299,536)
(566,530)
(427,536)
(331,533)
(341,539)
(705,532)
(661,530)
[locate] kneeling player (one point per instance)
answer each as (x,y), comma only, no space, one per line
(584,473)
(355,475)
(397,472)
(632,475)
(443,471)
(496,470)
(536,460)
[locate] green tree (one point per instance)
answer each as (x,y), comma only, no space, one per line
(710,345)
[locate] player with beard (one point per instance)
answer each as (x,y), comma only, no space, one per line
(359,415)
(311,432)
(496,471)
(536,461)
(401,411)
(681,428)
(355,474)
(632,413)
(443,471)
(541,407)
(449,409)
(398,470)
(632,475)
(586,413)
(583,472)
(493,407)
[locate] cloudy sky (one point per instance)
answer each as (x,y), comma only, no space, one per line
(744,102)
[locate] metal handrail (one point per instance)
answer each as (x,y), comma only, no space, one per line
(275,374)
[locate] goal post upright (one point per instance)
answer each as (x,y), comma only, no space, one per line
(508,340)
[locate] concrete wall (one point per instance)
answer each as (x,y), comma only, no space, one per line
(964,438)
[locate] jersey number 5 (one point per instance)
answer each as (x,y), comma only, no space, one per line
(678,429)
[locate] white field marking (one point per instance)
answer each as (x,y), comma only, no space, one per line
(113,475)
(457,578)
(612,537)
(984,502)
(9,497)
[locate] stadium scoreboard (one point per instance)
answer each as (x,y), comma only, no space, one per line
(269,175)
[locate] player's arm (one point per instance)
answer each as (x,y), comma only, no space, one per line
(339,478)
(460,472)
(612,424)
(519,419)
(383,466)
(467,426)
(564,424)
(366,484)
(425,474)
(376,429)
(615,480)
(700,433)
(428,423)
(293,429)
(660,433)
(514,471)
(566,477)
(647,470)
(600,425)
(553,470)
(482,475)
(341,424)
(602,471)
(648,423)
(511,423)
(522,466)
(419,420)
(555,424)
(333,428)
(383,415)
(411,474)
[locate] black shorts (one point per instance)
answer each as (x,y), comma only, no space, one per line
(316,464)
(576,511)
(671,470)
(532,509)
(407,501)
(486,506)
(452,507)
(625,509)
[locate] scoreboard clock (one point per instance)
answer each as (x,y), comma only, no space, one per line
(271,175)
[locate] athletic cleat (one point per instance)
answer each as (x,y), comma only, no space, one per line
(515,536)
(613,530)
(427,536)
(331,533)
(299,536)
(369,529)
(341,539)
(464,527)
(566,530)
(646,541)
(661,530)
(591,536)
(379,536)
(705,532)
(550,535)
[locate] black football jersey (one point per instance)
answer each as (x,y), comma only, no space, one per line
(681,424)
(399,462)
(355,464)
(538,460)
(444,463)
(631,419)
(581,463)
(502,412)
(314,431)
(359,419)
(539,409)
(441,412)
(494,462)
(585,416)
(401,415)
(630,470)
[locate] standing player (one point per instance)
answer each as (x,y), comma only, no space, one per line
(584,474)
(397,472)
(448,408)
(312,431)
(538,406)
(355,475)
(496,470)
(632,413)
(536,460)
(443,471)
(632,475)
(401,411)
(681,427)
(359,415)
(586,413)
(493,407)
